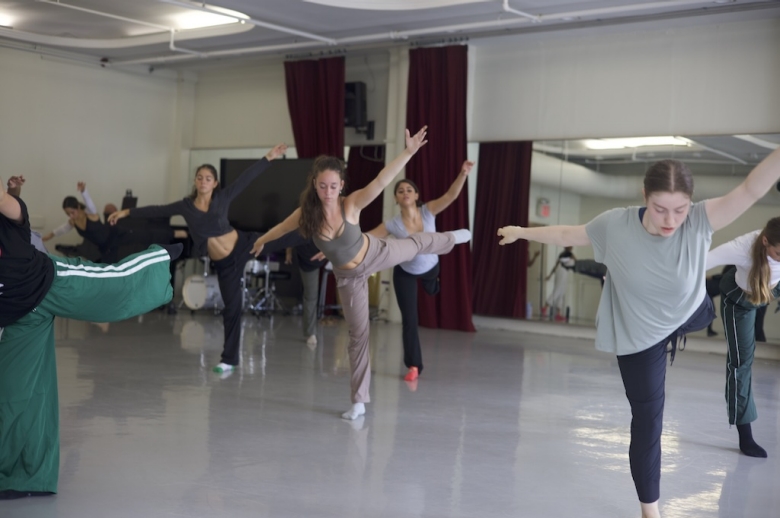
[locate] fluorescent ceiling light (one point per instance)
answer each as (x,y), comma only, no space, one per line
(6,20)
(622,143)
(392,5)
(757,141)
(200,19)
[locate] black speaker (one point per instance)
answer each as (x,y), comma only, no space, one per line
(355,105)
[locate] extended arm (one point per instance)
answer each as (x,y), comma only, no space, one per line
(362,197)
(59,231)
(152,211)
(9,206)
(561,235)
(253,171)
(722,211)
(286,226)
(532,260)
(90,205)
(439,204)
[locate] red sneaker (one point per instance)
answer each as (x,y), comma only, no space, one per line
(412,374)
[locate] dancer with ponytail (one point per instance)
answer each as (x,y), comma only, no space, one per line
(654,291)
(332,221)
(751,285)
(206,214)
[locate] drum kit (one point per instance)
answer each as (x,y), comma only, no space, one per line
(201,291)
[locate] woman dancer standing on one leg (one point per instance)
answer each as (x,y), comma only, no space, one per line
(557,300)
(332,221)
(654,290)
(206,213)
(34,288)
(416,217)
(743,290)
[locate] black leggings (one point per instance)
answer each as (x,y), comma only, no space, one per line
(230,271)
(405,284)
(644,376)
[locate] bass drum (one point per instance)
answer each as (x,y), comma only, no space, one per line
(202,292)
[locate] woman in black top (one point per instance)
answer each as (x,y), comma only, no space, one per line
(34,289)
(206,213)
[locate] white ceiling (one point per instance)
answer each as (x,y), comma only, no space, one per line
(140,30)
(728,155)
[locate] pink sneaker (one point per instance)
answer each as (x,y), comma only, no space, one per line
(412,374)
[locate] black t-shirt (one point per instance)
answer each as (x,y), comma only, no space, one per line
(305,252)
(565,255)
(25,273)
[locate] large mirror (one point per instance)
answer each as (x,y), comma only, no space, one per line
(572,181)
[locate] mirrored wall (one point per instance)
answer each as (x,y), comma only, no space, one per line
(572,181)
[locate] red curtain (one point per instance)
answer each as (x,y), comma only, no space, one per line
(500,272)
(363,164)
(315,98)
(437,97)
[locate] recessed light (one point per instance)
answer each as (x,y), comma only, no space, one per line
(6,21)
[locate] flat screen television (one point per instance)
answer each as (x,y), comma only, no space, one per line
(270,198)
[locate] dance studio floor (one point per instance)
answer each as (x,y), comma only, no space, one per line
(499,425)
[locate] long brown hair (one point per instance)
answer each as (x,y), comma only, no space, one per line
(759,276)
(669,176)
(312,212)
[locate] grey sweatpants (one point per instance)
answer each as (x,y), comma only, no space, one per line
(353,290)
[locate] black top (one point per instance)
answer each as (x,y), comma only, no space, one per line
(212,223)
(25,273)
(304,253)
(104,236)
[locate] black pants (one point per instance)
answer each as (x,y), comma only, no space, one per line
(405,285)
(644,376)
(230,271)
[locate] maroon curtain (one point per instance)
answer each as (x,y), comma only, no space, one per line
(315,98)
(363,164)
(437,97)
(500,272)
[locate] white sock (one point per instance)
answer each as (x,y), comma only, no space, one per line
(312,340)
(224,367)
(357,410)
(461,236)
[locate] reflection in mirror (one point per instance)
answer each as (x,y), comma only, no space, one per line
(573,181)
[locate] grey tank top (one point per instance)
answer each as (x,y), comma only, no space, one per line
(342,249)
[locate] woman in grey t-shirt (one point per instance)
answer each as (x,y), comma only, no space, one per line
(654,291)
(416,217)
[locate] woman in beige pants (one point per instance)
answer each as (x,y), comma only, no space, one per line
(331,220)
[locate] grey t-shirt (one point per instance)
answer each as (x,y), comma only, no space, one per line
(421,263)
(654,283)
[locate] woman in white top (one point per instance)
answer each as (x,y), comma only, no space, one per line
(743,290)
(416,217)
(654,291)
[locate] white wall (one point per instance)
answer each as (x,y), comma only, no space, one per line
(702,80)
(64,122)
(245,106)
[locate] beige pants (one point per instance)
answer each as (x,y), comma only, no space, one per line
(353,290)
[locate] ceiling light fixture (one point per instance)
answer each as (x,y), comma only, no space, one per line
(6,21)
(622,143)
(206,8)
(758,141)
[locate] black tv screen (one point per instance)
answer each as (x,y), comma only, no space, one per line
(270,198)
